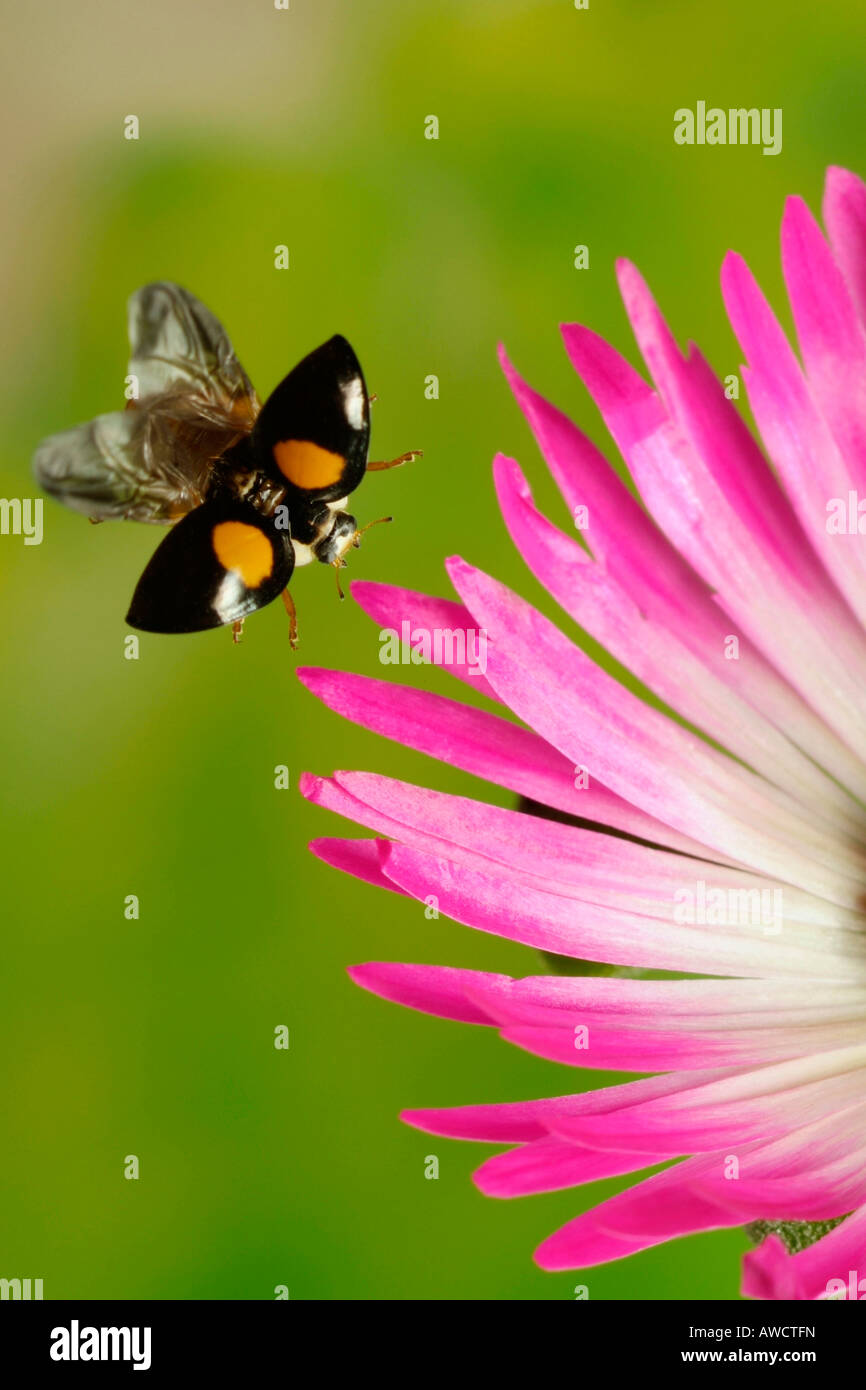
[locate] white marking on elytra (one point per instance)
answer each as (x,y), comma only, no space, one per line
(353,402)
(230,592)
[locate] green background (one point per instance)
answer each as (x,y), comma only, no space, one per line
(155,777)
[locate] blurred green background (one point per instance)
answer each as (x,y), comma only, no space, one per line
(258,127)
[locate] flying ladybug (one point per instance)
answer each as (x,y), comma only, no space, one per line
(249,490)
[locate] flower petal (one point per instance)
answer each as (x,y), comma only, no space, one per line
(492,903)
(487,746)
(432,989)
(755,1104)
(703,1193)
(641,754)
(787,606)
(405,610)
(832,341)
(361,858)
(838,1258)
(812,468)
(845,219)
(591,595)
(550,1164)
(517,1122)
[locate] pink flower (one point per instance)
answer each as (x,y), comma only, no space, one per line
(738,858)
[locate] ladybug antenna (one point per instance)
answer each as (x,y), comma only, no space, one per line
(356,539)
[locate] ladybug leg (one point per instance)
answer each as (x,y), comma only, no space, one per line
(237,629)
(289,604)
(378,465)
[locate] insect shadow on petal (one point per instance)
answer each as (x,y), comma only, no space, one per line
(249,491)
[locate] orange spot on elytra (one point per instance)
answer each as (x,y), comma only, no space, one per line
(307,465)
(245,549)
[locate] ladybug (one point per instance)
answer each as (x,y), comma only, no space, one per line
(249,491)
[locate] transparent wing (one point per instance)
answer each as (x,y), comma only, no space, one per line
(151,462)
(124,465)
(178,346)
